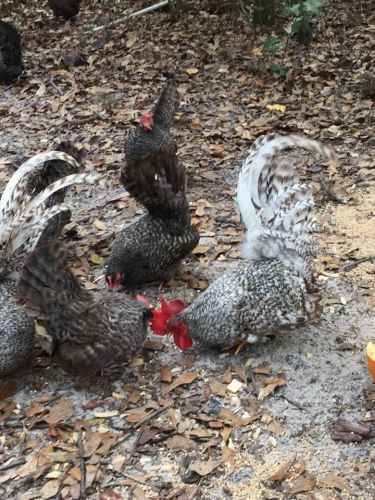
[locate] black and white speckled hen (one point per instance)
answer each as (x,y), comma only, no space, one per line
(64,8)
(152,247)
(10,53)
(23,219)
(269,291)
(90,330)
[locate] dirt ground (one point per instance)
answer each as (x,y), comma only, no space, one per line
(273,421)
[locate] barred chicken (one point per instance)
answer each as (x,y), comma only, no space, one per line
(90,330)
(10,53)
(64,8)
(269,291)
(23,221)
(151,248)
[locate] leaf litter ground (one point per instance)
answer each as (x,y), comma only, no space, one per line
(291,418)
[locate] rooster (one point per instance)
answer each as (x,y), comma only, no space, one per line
(269,291)
(23,221)
(64,8)
(10,53)
(90,330)
(151,248)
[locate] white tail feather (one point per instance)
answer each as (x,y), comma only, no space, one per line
(15,189)
(29,232)
(275,207)
(23,219)
(27,207)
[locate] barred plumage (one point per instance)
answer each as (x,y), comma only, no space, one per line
(24,217)
(64,8)
(10,53)
(91,330)
(151,247)
(269,291)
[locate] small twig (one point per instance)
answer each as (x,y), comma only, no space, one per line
(285,49)
(60,92)
(253,382)
(21,461)
(294,403)
(82,465)
(131,492)
(128,476)
(129,16)
(120,441)
(351,265)
(150,416)
(142,424)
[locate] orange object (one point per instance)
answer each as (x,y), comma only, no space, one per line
(370,354)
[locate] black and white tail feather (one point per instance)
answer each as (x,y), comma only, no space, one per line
(23,217)
(276,208)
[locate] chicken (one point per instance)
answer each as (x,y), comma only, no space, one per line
(23,219)
(90,330)
(64,8)
(151,248)
(10,53)
(269,291)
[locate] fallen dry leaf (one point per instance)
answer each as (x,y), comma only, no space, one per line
(301,484)
(166,374)
(181,443)
(203,468)
(106,414)
(217,388)
(281,472)
(200,249)
(276,107)
(50,489)
(100,225)
(269,388)
(92,443)
(191,71)
(332,481)
(185,378)
(147,435)
(60,412)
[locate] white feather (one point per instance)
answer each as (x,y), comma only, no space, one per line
(16,185)
(275,207)
(9,228)
(29,232)
(23,218)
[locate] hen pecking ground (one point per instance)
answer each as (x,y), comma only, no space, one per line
(291,418)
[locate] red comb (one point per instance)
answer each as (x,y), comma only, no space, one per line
(161,316)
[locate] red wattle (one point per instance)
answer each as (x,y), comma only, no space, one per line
(158,322)
(180,335)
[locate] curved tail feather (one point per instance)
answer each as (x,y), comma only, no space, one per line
(167,105)
(24,217)
(16,187)
(276,208)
